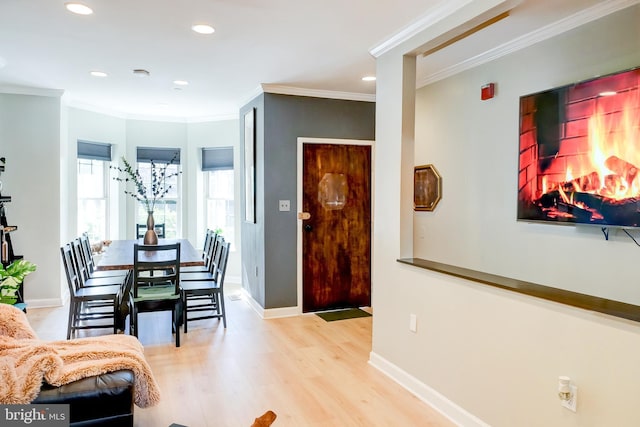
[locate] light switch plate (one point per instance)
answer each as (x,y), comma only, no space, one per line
(284,205)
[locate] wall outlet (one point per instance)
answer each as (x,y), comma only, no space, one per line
(413,323)
(572,404)
(284,205)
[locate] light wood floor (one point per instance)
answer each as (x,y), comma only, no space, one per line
(308,371)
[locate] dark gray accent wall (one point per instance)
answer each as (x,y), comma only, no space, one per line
(281,119)
(252,234)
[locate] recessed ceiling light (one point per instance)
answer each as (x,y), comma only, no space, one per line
(369,79)
(180,82)
(203,29)
(98,74)
(78,8)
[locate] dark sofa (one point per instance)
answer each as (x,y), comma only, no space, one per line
(105,400)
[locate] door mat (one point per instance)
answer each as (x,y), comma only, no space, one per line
(349,313)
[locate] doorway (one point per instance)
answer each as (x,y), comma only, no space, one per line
(334,224)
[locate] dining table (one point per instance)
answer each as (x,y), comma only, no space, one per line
(119,254)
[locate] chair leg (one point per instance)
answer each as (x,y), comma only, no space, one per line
(177,326)
(185,311)
(221,305)
(69,324)
(116,310)
(133,324)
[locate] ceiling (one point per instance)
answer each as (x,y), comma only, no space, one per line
(316,46)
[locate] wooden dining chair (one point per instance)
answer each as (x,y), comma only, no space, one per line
(89,262)
(92,307)
(142,228)
(210,270)
(82,270)
(156,292)
(206,296)
(207,255)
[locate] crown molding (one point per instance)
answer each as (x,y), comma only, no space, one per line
(585,16)
(216,118)
(28,90)
(434,15)
(152,118)
(71,103)
(316,93)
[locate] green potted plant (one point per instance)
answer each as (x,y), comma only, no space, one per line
(11,277)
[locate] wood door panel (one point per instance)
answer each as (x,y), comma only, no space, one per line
(337,243)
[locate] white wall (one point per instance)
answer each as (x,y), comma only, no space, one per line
(126,135)
(38,137)
(474,145)
(30,134)
(95,127)
(222,133)
(481,354)
(143,133)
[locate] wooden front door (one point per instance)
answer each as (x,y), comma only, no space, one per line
(336,237)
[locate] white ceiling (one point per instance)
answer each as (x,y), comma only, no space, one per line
(319,45)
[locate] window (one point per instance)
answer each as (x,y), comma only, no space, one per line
(93,167)
(217,164)
(219,187)
(167,208)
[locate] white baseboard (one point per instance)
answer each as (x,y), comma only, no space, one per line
(431,397)
(269,313)
(44,303)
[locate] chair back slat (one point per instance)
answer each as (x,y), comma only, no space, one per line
(79,260)
(149,260)
(86,250)
(208,240)
(222,264)
(217,256)
(209,250)
(73,281)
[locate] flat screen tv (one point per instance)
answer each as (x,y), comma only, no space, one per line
(579,159)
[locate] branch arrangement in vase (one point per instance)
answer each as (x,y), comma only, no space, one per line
(158,186)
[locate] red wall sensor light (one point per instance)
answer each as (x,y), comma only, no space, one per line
(487,91)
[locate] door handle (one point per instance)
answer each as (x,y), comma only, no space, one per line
(308,227)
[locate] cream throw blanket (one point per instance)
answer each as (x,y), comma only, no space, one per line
(26,361)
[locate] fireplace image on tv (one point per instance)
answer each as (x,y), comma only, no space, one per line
(579,157)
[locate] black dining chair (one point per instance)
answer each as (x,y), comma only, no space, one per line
(142,228)
(207,255)
(86,256)
(208,272)
(82,270)
(156,292)
(206,296)
(92,307)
